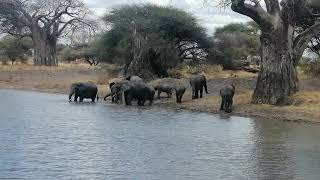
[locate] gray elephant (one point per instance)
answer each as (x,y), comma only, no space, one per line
(164,88)
(81,90)
(180,90)
(112,93)
(135,90)
(227,94)
(134,78)
(198,82)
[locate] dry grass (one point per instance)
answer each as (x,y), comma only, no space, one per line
(210,71)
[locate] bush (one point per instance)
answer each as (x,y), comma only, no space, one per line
(310,67)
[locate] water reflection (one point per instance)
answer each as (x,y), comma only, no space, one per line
(43,136)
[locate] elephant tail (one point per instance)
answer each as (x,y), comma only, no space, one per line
(97,97)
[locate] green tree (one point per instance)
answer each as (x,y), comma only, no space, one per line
(44,21)
(14,48)
(237,41)
(287,26)
(88,52)
(168,36)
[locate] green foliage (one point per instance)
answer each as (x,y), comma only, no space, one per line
(236,41)
(87,52)
(14,48)
(310,67)
(168,31)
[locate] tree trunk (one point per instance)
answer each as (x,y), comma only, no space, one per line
(44,49)
(277,78)
(142,54)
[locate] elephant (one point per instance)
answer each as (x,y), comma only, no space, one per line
(135,90)
(113,98)
(180,89)
(198,82)
(83,90)
(134,79)
(227,94)
(164,88)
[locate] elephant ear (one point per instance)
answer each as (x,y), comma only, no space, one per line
(125,87)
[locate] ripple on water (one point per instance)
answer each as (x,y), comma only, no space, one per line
(43,136)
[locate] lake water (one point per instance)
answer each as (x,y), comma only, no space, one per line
(43,136)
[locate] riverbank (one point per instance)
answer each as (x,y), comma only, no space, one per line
(305,107)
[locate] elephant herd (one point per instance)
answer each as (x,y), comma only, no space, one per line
(134,89)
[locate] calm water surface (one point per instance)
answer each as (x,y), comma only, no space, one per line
(43,136)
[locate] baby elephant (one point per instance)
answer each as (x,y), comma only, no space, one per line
(227,94)
(180,89)
(164,88)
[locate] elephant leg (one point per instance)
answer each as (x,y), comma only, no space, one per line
(201,92)
(139,102)
(159,92)
(93,99)
(196,94)
(231,103)
(81,99)
(150,101)
(222,104)
(177,97)
(128,99)
(142,102)
(193,93)
(75,98)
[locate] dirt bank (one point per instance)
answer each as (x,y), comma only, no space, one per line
(305,108)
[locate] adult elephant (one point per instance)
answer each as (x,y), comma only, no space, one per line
(198,82)
(82,90)
(134,90)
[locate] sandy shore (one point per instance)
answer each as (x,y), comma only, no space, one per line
(306,106)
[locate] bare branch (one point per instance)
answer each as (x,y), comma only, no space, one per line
(256,12)
(302,40)
(273,6)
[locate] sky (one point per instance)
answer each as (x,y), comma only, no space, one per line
(209,15)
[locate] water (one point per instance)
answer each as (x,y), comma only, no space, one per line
(43,136)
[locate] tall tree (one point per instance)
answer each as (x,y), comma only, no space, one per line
(165,36)
(42,20)
(287,26)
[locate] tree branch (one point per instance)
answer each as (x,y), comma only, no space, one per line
(302,40)
(255,12)
(273,6)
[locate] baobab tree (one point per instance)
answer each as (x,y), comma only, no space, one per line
(44,21)
(287,26)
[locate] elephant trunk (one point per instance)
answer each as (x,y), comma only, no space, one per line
(71,93)
(105,98)
(205,86)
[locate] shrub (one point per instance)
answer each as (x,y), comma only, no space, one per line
(310,67)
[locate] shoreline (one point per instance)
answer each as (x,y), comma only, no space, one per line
(177,107)
(57,80)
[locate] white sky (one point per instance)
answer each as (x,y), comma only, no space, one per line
(209,16)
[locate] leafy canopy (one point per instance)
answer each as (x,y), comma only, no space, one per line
(163,27)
